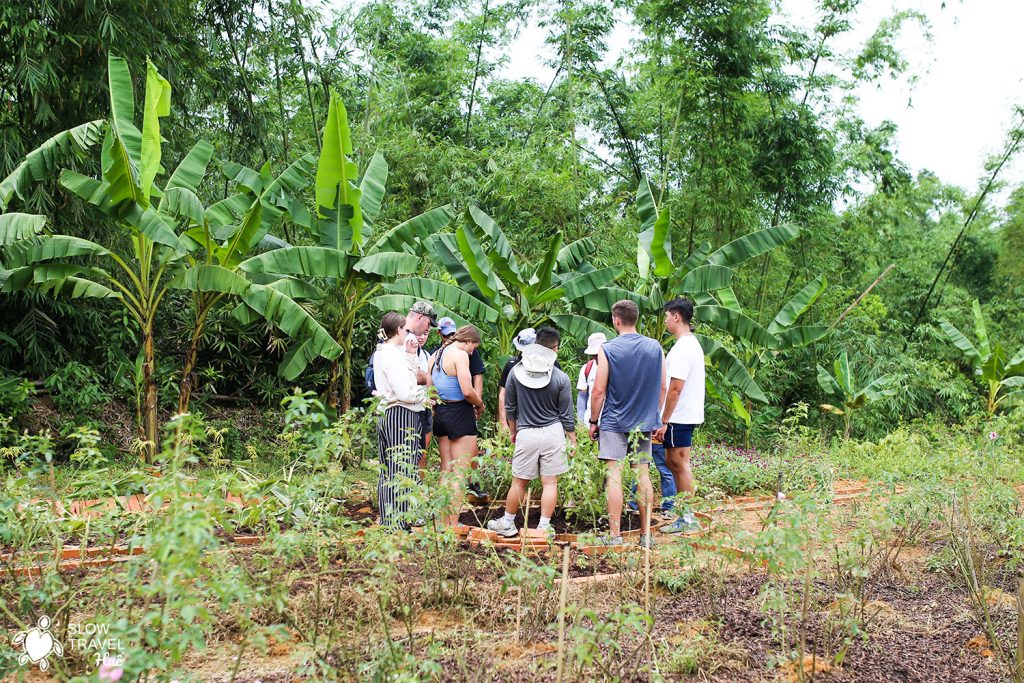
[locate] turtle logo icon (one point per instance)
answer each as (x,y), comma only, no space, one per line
(38,644)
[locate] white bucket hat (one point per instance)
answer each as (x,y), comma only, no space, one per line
(534,370)
(594,343)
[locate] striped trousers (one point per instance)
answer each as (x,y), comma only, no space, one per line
(398,445)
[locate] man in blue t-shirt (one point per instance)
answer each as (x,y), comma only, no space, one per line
(625,409)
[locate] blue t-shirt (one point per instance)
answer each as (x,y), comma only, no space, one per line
(634,384)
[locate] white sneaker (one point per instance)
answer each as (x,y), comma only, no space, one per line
(503,528)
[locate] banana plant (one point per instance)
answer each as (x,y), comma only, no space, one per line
(841,384)
(156,257)
(1003,378)
(221,236)
(494,290)
(705,276)
(354,257)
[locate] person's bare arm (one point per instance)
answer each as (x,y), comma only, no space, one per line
(478,386)
(599,391)
(461,361)
(502,418)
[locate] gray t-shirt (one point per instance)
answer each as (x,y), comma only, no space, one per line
(540,407)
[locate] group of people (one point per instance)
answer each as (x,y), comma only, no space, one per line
(640,405)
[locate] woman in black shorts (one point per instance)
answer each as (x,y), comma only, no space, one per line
(454,417)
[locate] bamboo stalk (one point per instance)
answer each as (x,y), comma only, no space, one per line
(561,611)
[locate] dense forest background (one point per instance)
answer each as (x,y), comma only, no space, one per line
(739,120)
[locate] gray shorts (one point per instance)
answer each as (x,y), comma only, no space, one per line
(617,446)
(540,452)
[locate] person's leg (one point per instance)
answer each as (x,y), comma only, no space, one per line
(665,475)
(677,457)
(645,493)
(406,455)
(516,493)
(548,497)
(462,452)
(613,493)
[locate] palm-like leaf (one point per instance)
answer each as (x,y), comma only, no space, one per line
(756,243)
(43,162)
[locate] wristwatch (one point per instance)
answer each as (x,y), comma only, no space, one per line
(594,422)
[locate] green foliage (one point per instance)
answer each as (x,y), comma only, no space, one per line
(77,389)
(854,395)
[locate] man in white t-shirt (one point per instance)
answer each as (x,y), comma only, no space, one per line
(588,375)
(684,404)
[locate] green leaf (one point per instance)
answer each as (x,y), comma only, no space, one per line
(183,202)
(500,253)
(291,319)
(78,288)
(158,104)
(118,172)
(43,162)
(646,209)
(980,331)
(445,251)
(580,327)
(736,324)
(190,172)
(731,369)
(800,336)
(296,359)
(698,257)
(756,243)
(476,262)
(47,248)
(19,226)
(446,298)
(961,342)
(209,278)
(572,255)
(706,278)
(582,285)
(335,173)
(371,188)
(728,298)
(828,383)
(799,304)
(154,226)
(243,176)
(388,264)
(542,277)
(122,94)
(661,244)
(405,236)
(603,299)
(309,261)
(843,375)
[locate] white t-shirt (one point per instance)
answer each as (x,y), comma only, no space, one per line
(685,361)
(586,383)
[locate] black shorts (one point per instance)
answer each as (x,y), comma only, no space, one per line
(679,435)
(454,420)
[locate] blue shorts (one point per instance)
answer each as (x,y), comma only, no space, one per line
(679,436)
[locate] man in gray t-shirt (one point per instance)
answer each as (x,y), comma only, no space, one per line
(538,408)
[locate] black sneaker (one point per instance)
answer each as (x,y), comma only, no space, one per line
(476,490)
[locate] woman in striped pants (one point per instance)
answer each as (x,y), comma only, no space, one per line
(399,381)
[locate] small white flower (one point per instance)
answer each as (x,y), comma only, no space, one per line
(992,436)
(780,495)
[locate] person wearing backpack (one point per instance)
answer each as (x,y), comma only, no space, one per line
(588,374)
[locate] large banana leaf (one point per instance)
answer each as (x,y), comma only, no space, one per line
(828,383)
(980,331)
(158,104)
(736,324)
(388,264)
(210,278)
(500,253)
(335,173)
(580,327)
(646,210)
(309,261)
(122,108)
(878,388)
(446,252)
(404,236)
(603,299)
(706,278)
(661,244)
(842,373)
(799,304)
(243,176)
(756,243)
(961,342)
(800,336)
(371,189)
(46,248)
(442,295)
(296,359)
(291,319)
(153,225)
(699,256)
(542,277)
(731,369)
(582,285)
(183,202)
(572,255)
(476,262)
(119,179)
(78,288)
(189,173)
(42,162)
(19,226)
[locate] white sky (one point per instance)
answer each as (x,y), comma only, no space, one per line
(958,111)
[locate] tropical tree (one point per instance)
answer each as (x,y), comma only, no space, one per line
(1003,379)
(492,288)
(843,385)
(155,258)
(352,256)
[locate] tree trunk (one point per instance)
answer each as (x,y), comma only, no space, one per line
(150,427)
